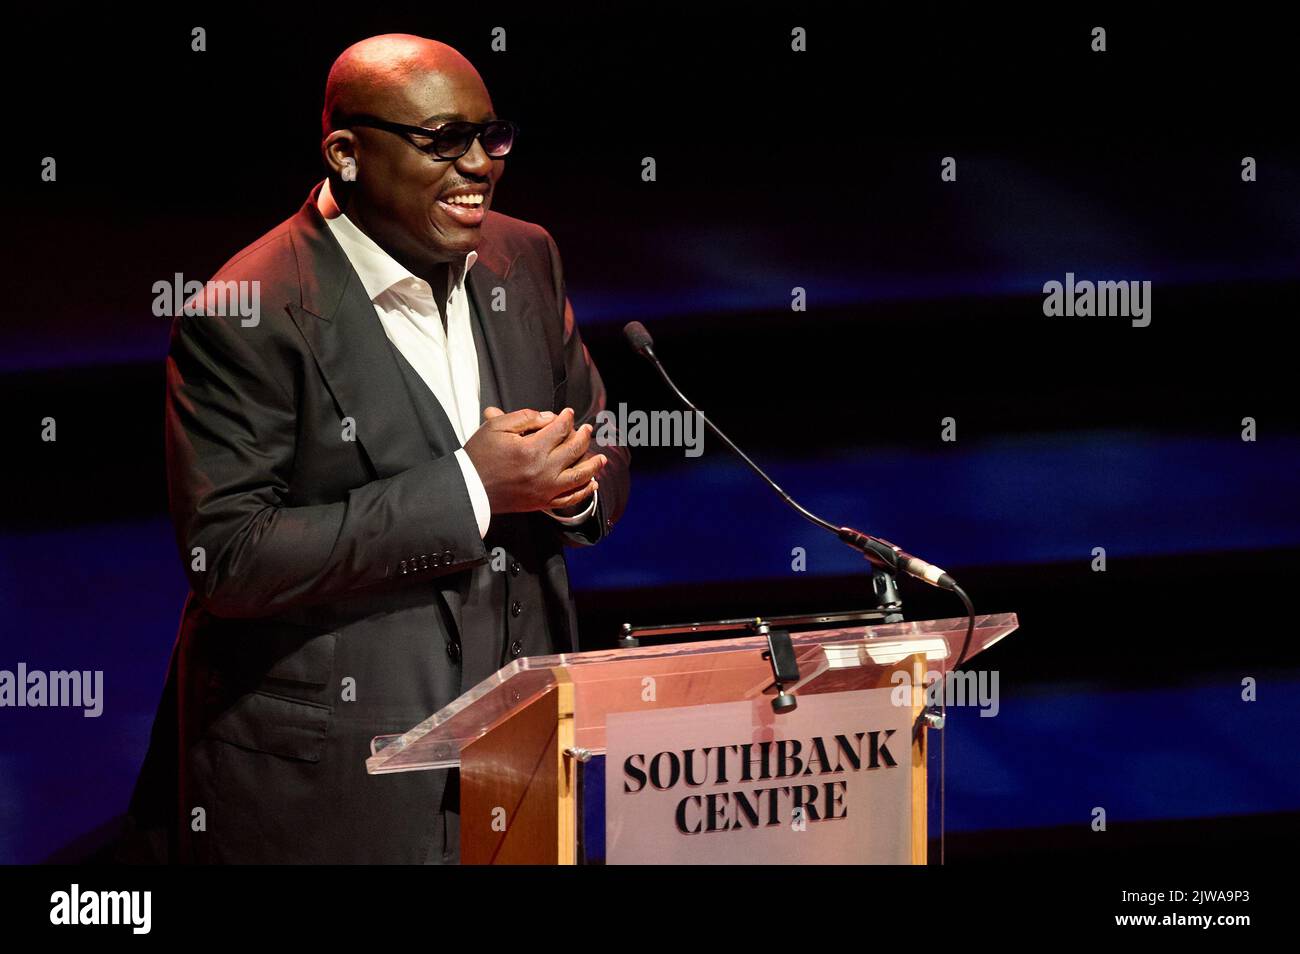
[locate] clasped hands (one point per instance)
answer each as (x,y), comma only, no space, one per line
(535,460)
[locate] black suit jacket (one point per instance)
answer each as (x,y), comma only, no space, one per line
(329,541)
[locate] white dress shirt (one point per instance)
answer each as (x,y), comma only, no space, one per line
(445,358)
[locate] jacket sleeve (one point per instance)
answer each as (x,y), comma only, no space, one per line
(231,435)
(585,393)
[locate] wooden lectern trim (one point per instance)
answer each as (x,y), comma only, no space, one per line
(920,738)
(517,791)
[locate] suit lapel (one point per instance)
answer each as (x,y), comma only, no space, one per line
(514,339)
(347,340)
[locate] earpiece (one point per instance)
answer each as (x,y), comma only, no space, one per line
(349,170)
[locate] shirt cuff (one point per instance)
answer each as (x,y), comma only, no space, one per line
(577,518)
(477,492)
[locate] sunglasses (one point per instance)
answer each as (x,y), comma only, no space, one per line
(450,140)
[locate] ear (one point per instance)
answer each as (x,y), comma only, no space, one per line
(339,145)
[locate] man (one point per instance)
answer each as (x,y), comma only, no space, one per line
(371,483)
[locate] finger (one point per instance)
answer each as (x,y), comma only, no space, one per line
(575,498)
(580,473)
(574,448)
(554,434)
(523,421)
(490,412)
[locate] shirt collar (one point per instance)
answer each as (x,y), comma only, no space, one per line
(377,270)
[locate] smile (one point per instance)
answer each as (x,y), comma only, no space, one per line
(465,209)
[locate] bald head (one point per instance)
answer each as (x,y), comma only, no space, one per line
(384,73)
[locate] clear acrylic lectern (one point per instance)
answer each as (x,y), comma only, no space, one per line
(674,753)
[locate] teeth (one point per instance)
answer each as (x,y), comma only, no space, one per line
(475,199)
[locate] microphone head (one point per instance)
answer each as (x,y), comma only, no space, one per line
(638,337)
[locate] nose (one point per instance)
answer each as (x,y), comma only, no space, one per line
(475,162)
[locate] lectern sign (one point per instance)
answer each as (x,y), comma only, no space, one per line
(736,783)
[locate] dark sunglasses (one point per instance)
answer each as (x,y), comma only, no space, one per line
(450,140)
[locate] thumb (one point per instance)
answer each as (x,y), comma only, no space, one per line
(491,412)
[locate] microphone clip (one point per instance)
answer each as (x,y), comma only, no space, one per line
(884,558)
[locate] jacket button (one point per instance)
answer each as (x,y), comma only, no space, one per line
(514,567)
(453,650)
(516,608)
(401,567)
(448,558)
(516,648)
(424,561)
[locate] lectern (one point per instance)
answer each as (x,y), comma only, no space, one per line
(675,754)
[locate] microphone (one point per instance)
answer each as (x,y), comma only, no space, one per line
(640,340)
(883,553)
(879,552)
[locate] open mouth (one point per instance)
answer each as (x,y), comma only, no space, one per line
(467,209)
